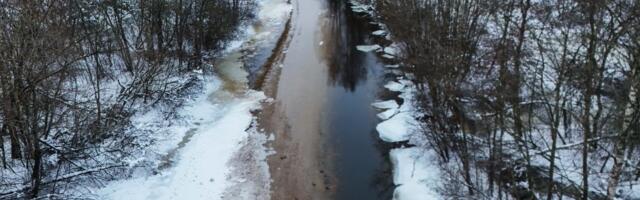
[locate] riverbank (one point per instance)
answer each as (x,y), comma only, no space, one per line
(213,151)
(416,174)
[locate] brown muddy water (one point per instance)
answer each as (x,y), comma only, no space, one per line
(325,139)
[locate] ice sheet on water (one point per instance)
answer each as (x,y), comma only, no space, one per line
(388,56)
(391,50)
(392,66)
(387,114)
(368,48)
(394,86)
(379,32)
(385,104)
(396,129)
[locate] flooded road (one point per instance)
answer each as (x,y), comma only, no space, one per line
(325,140)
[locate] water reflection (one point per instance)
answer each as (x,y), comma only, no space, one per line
(361,161)
(343,31)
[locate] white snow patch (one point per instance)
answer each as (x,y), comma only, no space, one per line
(201,170)
(274,11)
(391,50)
(415,174)
(387,114)
(405,82)
(396,129)
(392,66)
(389,104)
(359,8)
(407,95)
(379,32)
(415,192)
(368,48)
(387,56)
(394,86)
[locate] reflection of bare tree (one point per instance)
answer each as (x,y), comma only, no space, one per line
(383,181)
(342,32)
(349,68)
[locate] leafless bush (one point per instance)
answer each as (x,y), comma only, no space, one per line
(524,81)
(72,73)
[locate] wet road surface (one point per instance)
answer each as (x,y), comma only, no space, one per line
(324,126)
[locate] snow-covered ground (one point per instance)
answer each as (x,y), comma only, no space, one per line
(201,169)
(197,156)
(416,173)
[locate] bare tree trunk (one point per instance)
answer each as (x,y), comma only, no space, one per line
(625,135)
(122,40)
(36,171)
(16,150)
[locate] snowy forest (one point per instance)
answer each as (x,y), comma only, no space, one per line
(232,99)
(528,99)
(73,72)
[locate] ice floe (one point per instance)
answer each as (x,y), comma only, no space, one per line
(397,128)
(379,32)
(368,48)
(394,86)
(389,104)
(387,114)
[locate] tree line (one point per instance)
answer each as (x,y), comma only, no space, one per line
(526,99)
(72,73)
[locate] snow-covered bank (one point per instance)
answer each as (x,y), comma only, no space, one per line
(416,173)
(212,151)
(550,141)
(201,170)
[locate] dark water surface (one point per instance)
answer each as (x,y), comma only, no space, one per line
(326,144)
(361,160)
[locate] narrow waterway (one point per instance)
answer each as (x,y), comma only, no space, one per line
(326,144)
(361,166)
